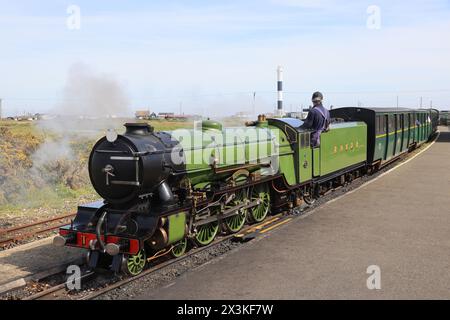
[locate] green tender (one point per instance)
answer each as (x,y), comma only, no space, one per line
(343,146)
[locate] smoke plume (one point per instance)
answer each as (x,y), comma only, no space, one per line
(92,94)
(54,158)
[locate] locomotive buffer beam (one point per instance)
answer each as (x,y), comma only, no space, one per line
(229,212)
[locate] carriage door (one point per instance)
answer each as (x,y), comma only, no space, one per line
(395,144)
(386,137)
(416,128)
(402,127)
(408,127)
(419,116)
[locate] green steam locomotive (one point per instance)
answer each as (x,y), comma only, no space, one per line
(163,190)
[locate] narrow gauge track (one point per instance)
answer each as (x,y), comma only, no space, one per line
(20,233)
(60,291)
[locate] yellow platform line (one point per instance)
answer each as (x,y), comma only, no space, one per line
(276,225)
(252,229)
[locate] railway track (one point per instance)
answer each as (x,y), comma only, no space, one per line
(20,233)
(60,291)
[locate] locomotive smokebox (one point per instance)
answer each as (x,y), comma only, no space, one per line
(136,163)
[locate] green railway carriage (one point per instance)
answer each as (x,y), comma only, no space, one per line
(391,131)
(444,118)
(434,113)
(426,123)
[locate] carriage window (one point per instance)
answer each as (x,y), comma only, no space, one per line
(391,123)
(385,124)
(377,125)
(380,124)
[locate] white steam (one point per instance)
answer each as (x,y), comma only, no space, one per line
(91,94)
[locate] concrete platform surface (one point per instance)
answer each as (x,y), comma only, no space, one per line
(33,258)
(400,223)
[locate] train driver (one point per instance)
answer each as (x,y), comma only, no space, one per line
(318,119)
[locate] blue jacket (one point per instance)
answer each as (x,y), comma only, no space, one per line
(318,120)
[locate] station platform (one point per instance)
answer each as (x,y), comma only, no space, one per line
(399,222)
(34,260)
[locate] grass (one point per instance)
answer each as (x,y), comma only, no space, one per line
(49,199)
(168,125)
(20,127)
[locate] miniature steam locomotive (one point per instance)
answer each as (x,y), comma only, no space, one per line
(163,190)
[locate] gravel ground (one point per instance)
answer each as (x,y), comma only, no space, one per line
(164,276)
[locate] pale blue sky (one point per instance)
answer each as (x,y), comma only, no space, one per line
(211,55)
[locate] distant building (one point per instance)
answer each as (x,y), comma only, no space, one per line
(142,114)
(177,117)
(243,115)
(165,115)
(43,116)
(26,117)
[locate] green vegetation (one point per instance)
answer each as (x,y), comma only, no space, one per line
(168,125)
